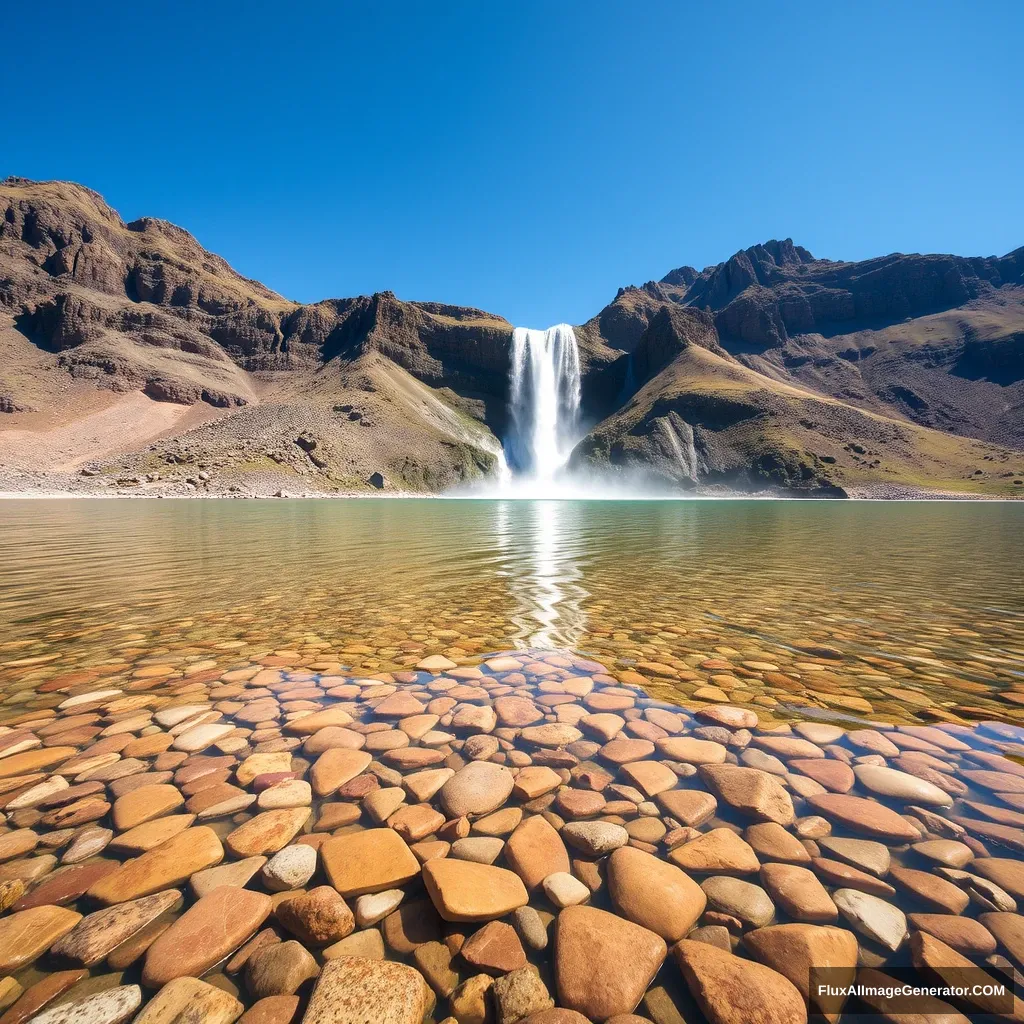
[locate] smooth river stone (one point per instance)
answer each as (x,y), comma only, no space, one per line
(733,990)
(66,885)
(931,890)
(896,785)
(1007,928)
(594,838)
(236,873)
(163,867)
(650,777)
(750,791)
(24,936)
(309,724)
(334,767)
(463,891)
(865,816)
(199,737)
(112,1006)
(963,934)
(872,917)
(692,807)
(830,772)
(205,934)
(144,804)
(535,850)
(534,781)
(33,760)
(355,990)
(268,832)
(653,893)
(793,949)
(861,853)
(743,900)
(95,936)
(603,963)
(151,833)
(948,852)
(799,893)
(772,842)
(719,851)
(845,876)
(478,788)
(187,1000)
(691,751)
(369,861)
(267,763)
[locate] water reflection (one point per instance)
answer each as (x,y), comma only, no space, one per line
(542,559)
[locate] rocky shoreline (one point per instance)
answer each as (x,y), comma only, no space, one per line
(525,837)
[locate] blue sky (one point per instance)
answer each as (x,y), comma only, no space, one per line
(530,157)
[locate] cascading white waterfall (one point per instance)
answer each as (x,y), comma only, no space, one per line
(544,401)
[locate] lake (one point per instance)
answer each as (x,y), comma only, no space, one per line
(476,757)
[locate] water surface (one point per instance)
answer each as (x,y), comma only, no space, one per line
(924,599)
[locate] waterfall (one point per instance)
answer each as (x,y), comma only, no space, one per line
(544,401)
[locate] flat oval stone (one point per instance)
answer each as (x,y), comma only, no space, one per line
(113,1006)
(268,832)
(163,867)
(896,785)
(930,890)
(369,861)
(463,891)
(205,934)
(861,853)
(829,772)
(865,816)
(199,737)
(964,934)
(334,767)
(650,777)
(656,895)
(772,842)
(794,949)
(95,936)
(745,901)
(535,850)
(872,917)
(799,893)
(478,788)
(66,885)
(24,936)
(144,804)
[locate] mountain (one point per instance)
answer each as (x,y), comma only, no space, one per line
(133,359)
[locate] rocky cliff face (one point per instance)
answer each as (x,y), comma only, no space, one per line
(130,356)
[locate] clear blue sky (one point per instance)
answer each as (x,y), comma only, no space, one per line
(526,157)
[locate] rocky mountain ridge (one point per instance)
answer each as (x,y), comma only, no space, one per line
(133,359)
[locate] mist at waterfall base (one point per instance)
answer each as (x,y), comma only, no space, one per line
(544,424)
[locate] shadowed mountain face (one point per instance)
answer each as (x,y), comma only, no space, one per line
(132,357)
